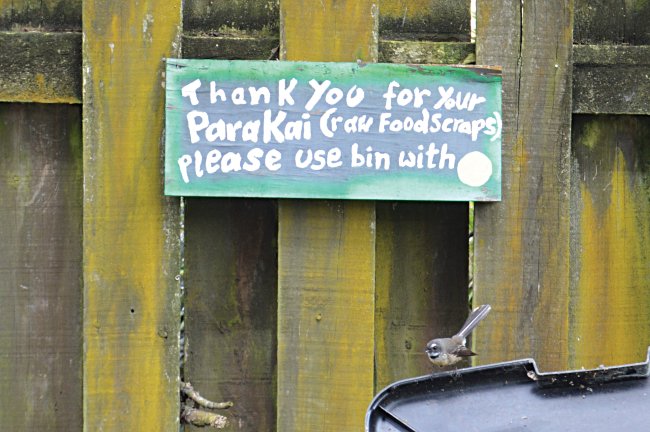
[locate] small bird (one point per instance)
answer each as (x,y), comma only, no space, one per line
(449,351)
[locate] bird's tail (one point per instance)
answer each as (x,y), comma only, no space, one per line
(473,319)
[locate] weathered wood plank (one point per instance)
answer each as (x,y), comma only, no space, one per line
(40,67)
(426,52)
(439,20)
(610,55)
(610,324)
(231,48)
(231,282)
(131,231)
(606,78)
(611,79)
(49,15)
(231,306)
(612,22)
(339,31)
(421,283)
(326,253)
(40,267)
(231,17)
(522,243)
(421,263)
(325,314)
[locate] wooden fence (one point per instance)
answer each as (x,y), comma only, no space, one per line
(300,310)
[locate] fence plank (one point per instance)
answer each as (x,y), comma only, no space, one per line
(49,15)
(223,17)
(440,20)
(610,323)
(426,52)
(612,22)
(40,267)
(231,283)
(422,248)
(611,79)
(231,306)
(31,73)
(131,246)
(421,283)
(338,30)
(522,243)
(230,47)
(325,314)
(326,253)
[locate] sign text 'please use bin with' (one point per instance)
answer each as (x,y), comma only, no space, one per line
(332,130)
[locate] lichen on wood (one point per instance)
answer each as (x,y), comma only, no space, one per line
(610,236)
(418,52)
(610,22)
(45,15)
(131,230)
(433,20)
(211,17)
(199,417)
(228,47)
(40,67)
(611,79)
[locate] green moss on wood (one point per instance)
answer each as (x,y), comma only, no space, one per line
(436,20)
(50,15)
(426,52)
(611,55)
(40,67)
(231,48)
(611,79)
(610,235)
(612,22)
(217,17)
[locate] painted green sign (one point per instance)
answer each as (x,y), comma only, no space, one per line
(332,130)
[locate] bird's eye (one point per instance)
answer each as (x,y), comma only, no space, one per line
(435,348)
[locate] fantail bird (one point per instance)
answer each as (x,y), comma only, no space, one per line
(449,351)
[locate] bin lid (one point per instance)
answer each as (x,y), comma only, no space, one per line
(515,396)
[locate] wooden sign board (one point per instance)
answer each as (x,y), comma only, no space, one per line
(332,130)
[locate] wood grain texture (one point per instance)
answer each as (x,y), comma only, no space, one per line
(611,79)
(131,231)
(421,283)
(229,47)
(338,30)
(31,73)
(231,283)
(47,15)
(231,306)
(325,314)
(438,20)
(231,17)
(522,243)
(326,255)
(610,324)
(40,268)
(421,256)
(612,22)
(419,52)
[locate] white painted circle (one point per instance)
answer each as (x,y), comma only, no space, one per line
(474,169)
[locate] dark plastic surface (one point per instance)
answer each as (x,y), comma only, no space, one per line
(514,396)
